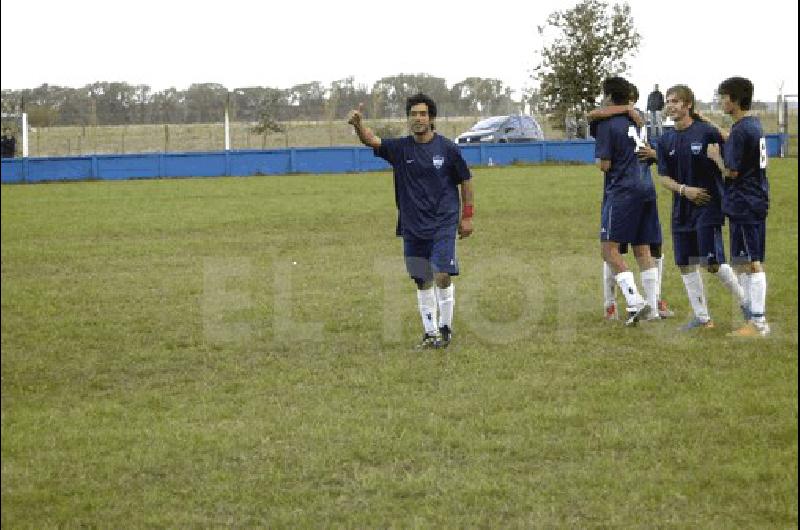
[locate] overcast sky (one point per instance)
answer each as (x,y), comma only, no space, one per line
(280,44)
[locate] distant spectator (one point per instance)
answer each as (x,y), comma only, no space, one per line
(9,144)
(582,128)
(571,126)
(655,104)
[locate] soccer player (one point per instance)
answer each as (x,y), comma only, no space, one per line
(428,171)
(629,207)
(647,156)
(745,199)
(697,218)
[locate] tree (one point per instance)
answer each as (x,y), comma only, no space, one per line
(389,93)
(307,100)
(477,95)
(268,115)
(589,45)
(205,102)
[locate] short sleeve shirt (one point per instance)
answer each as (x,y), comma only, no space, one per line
(746,197)
(426,180)
(682,156)
(614,141)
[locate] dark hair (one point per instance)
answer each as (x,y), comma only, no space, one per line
(686,95)
(416,99)
(739,89)
(618,89)
(634,93)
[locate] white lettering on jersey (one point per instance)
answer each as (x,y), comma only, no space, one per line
(634,135)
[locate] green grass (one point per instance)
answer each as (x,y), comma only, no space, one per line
(166,365)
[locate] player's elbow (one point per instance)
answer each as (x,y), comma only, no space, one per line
(605,165)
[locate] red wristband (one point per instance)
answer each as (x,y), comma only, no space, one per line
(468,211)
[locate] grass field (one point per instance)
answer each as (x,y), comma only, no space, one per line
(238,352)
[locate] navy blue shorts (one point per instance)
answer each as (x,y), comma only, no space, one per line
(630,221)
(424,257)
(703,246)
(748,242)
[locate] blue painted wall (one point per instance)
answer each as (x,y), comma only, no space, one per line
(279,161)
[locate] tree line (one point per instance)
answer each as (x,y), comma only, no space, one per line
(119,103)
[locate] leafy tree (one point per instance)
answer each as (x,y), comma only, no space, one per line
(307,100)
(268,115)
(389,93)
(477,95)
(205,102)
(589,45)
(169,106)
(247,103)
(346,95)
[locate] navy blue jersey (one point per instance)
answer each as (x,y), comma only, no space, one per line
(616,141)
(426,179)
(682,156)
(746,197)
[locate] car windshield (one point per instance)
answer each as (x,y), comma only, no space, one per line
(489,123)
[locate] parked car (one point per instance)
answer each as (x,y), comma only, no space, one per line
(503,129)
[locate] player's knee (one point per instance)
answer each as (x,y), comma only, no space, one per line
(754,267)
(442,280)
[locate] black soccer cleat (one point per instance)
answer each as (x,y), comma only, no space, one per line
(446,336)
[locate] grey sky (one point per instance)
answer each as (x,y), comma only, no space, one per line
(238,43)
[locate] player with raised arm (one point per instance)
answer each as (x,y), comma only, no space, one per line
(697,217)
(629,207)
(745,199)
(428,172)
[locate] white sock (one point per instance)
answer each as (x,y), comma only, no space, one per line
(697,296)
(609,283)
(427,309)
(758,295)
(650,287)
(628,287)
(728,279)
(447,300)
(660,267)
(744,281)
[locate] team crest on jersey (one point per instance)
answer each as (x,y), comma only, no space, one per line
(697,148)
(438,161)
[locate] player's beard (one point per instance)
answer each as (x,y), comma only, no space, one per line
(420,129)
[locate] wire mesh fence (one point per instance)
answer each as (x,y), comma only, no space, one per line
(144,138)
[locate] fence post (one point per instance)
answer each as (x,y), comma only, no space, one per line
(291,160)
(95,167)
